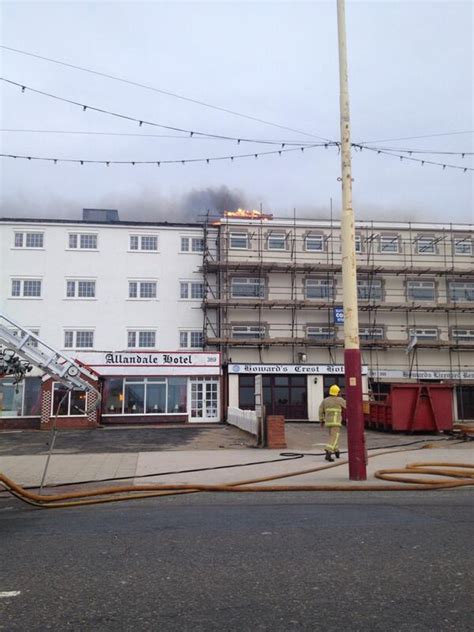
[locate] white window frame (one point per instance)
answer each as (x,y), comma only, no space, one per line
(315,238)
(75,295)
(423,333)
(139,283)
(22,281)
(238,235)
(79,242)
(420,284)
(186,339)
(320,332)
(75,331)
(188,288)
(358,243)
(375,285)
(141,239)
(68,398)
(279,237)
(458,334)
(138,335)
(464,252)
(248,332)
(385,244)
(366,332)
(258,283)
(192,245)
(468,286)
(25,234)
(422,241)
(327,283)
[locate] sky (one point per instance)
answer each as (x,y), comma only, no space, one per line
(410,75)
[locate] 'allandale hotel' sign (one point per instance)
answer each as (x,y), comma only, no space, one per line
(152,362)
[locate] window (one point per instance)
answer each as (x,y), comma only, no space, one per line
(463,246)
(192,244)
(421,291)
(369,289)
(83,241)
(144,242)
(461,291)
(26,288)
(191,290)
(142,289)
(20,400)
(424,333)
(78,339)
(389,243)
(358,243)
(68,403)
(245,332)
(425,245)
(80,289)
(239,241)
(320,332)
(191,339)
(319,288)
(145,396)
(141,339)
(29,240)
(314,242)
(462,335)
(371,332)
(276,241)
(247,287)
(247,392)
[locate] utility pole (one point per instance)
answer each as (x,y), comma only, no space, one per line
(352,358)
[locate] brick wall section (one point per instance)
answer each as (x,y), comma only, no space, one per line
(78,422)
(276,431)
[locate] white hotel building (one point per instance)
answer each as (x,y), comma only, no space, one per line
(124,298)
(177,319)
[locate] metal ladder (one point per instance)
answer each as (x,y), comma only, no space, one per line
(23,343)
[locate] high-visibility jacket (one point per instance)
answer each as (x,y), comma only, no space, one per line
(330,411)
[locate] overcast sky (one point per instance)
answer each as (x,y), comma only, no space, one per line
(410,74)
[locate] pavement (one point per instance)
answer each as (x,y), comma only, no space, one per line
(128,454)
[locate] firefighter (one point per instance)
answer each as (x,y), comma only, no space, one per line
(330,415)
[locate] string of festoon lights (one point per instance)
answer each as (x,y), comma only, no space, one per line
(159,163)
(143,122)
(421,161)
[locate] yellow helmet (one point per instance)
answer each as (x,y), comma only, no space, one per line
(334,390)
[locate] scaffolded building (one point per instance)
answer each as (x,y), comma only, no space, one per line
(273,296)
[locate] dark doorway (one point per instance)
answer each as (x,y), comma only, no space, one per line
(329,380)
(465,399)
(285,395)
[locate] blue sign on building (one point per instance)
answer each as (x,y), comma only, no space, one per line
(338,315)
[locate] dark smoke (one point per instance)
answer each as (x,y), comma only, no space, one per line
(146,205)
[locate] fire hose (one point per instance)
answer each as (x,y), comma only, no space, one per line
(458,475)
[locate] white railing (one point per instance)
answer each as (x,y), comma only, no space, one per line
(244,419)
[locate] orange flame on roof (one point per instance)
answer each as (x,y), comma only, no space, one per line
(242,213)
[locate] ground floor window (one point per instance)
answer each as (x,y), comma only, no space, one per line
(20,400)
(145,395)
(282,395)
(68,403)
(465,401)
(329,380)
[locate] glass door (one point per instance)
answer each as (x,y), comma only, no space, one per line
(204,399)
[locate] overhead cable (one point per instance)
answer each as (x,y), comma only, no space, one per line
(421,161)
(158,163)
(140,122)
(160,91)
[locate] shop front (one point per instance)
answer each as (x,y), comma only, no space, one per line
(153,387)
(292,390)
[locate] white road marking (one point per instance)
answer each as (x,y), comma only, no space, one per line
(11,593)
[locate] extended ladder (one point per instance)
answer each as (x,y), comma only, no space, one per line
(23,343)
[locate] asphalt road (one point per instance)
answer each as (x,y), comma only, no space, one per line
(205,562)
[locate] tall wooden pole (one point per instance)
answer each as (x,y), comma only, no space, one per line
(352,358)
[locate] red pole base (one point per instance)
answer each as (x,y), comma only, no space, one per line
(355,415)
